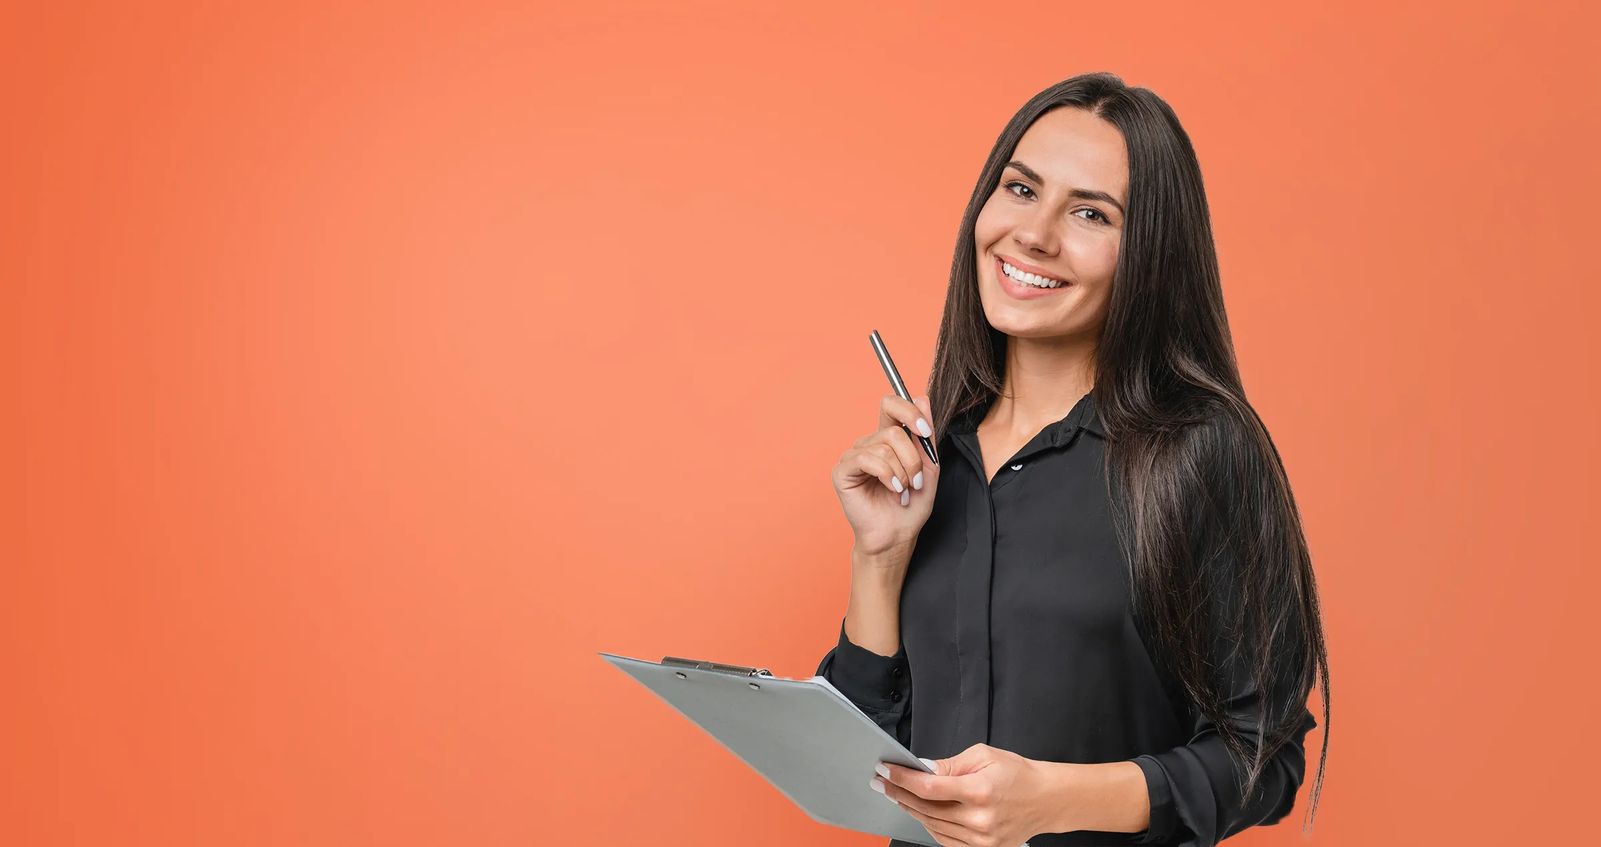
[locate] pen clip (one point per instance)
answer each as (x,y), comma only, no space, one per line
(737,670)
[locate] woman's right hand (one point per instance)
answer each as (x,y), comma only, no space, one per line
(886,483)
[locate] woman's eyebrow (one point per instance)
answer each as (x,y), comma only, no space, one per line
(1080,193)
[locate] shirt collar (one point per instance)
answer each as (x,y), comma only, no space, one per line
(1083,415)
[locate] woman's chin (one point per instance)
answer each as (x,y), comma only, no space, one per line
(1032,326)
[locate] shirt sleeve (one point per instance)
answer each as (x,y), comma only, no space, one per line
(881,686)
(1194,788)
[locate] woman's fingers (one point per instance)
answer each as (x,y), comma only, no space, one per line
(941,830)
(904,413)
(907,453)
(880,460)
(889,454)
(893,411)
(944,811)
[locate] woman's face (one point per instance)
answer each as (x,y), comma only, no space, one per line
(1047,215)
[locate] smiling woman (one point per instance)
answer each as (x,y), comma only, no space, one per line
(1105,620)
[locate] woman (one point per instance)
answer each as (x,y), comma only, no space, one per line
(1103,616)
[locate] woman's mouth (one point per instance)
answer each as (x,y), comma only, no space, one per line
(1026,286)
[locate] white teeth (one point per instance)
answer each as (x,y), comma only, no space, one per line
(1030,279)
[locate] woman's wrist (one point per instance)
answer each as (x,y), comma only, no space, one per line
(887,562)
(1105,797)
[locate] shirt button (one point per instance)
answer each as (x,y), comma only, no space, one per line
(1017,467)
(894,671)
(895,696)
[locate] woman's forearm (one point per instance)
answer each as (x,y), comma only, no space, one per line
(873,615)
(1107,797)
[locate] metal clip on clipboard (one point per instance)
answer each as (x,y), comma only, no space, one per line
(737,670)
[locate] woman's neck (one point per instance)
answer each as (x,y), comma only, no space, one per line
(1045,378)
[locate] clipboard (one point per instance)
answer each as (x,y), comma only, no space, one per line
(802,735)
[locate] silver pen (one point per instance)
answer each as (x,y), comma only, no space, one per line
(899,385)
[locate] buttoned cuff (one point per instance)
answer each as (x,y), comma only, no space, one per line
(1164,814)
(870,680)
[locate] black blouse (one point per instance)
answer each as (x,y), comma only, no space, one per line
(1017,632)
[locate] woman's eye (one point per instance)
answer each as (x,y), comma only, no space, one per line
(1098,214)
(1019,185)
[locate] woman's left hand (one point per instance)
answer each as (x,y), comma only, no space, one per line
(982,797)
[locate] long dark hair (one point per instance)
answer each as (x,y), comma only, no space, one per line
(1202,505)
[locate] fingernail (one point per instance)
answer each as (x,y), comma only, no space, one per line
(917,481)
(906,497)
(922,426)
(896,481)
(883,770)
(878,785)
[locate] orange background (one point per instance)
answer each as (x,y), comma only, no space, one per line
(370,368)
